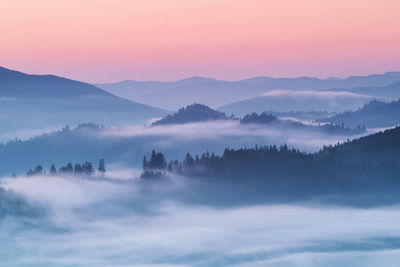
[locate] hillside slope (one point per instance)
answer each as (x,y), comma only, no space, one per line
(391,91)
(192,113)
(285,100)
(38,101)
(373,114)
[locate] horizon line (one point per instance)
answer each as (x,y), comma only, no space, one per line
(205,77)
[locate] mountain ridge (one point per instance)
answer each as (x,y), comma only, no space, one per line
(390,91)
(15,83)
(374,114)
(217,93)
(42,101)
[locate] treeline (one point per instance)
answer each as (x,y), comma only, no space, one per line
(368,164)
(329,128)
(155,167)
(232,163)
(86,169)
(198,113)
(373,114)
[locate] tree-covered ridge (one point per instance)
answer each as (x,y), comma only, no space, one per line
(263,118)
(368,164)
(329,128)
(200,113)
(192,113)
(302,115)
(374,114)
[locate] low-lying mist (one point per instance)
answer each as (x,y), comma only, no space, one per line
(229,134)
(129,144)
(127,222)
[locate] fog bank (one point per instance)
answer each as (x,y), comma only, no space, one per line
(116,223)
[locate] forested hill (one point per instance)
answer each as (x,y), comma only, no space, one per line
(192,113)
(201,113)
(376,149)
(329,128)
(373,114)
(369,165)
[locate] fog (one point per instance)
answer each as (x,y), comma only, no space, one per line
(323,95)
(229,134)
(291,100)
(116,222)
(129,144)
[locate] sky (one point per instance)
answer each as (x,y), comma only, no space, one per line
(106,41)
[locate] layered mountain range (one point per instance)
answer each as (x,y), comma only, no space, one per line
(42,101)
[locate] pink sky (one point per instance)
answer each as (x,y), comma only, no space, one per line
(105,41)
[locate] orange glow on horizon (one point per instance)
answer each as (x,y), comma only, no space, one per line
(99,40)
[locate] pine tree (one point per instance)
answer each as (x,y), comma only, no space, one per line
(144,164)
(102,167)
(53,170)
(69,167)
(38,170)
(77,169)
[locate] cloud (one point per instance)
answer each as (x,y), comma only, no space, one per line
(84,229)
(62,192)
(118,171)
(229,133)
(323,95)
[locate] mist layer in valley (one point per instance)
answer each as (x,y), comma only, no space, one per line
(296,176)
(128,145)
(97,222)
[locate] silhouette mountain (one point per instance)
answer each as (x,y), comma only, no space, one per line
(20,85)
(285,100)
(38,101)
(202,113)
(287,124)
(215,93)
(373,114)
(192,113)
(391,91)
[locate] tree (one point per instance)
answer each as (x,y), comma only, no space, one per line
(157,161)
(53,170)
(38,169)
(77,168)
(144,164)
(67,169)
(87,168)
(189,161)
(102,166)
